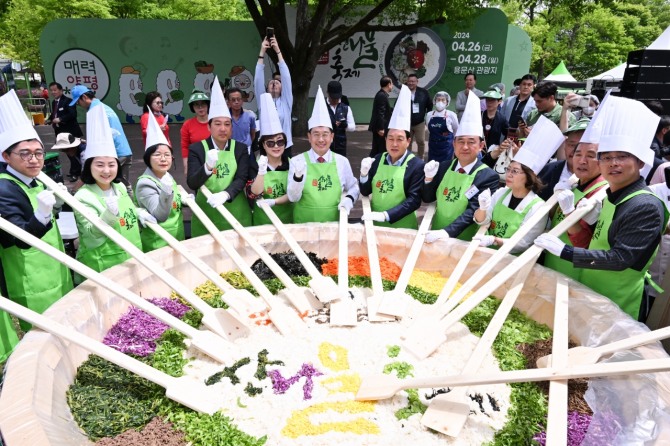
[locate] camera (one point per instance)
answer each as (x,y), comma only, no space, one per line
(581,102)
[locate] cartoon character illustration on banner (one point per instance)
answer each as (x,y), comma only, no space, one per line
(131,96)
(204,77)
(167,84)
(242,78)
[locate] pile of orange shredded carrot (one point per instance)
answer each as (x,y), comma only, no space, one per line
(360,266)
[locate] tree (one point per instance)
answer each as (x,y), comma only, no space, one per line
(323,24)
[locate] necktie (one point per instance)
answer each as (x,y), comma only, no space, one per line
(461,170)
(55,112)
(321,159)
(33,183)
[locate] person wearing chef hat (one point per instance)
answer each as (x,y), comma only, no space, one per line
(513,205)
(104,196)
(394,178)
(271,183)
(629,228)
(33,279)
(456,184)
(157,191)
(222,164)
(320,181)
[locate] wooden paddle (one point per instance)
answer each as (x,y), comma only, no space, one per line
(591,355)
(379,387)
(421,342)
(447,413)
(285,319)
(497,257)
(343,311)
(557,418)
(218,322)
(374,300)
(324,288)
(205,341)
(192,394)
(241,301)
(301,298)
(394,303)
(454,277)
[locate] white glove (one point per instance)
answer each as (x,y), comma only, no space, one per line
(217,199)
(299,166)
(567,184)
(373,216)
(185,200)
(430,169)
(59,201)
(145,217)
(485,200)
(485,240)
(46,201)
(212,159)
(262,165)
(435,235)
(269,201)
(366,163)
(346,204)
(112,204)
(551,243)
(566,200)
(592,217)
(166,183)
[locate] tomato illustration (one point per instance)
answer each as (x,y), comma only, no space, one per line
(445,191)
(315,182)
(415,58)
(379,184)
(122,221)
(269,190)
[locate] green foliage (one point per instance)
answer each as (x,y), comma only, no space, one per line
(168,356)
(414,406)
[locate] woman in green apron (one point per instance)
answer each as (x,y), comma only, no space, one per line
(157,191)
(271,183)
(510,207)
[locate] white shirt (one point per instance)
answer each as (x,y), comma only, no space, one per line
(538,229)
(467,168)
(348,182)
(451,118)
(27,180)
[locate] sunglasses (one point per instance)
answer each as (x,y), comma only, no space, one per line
(278,143)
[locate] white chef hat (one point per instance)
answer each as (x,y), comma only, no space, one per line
(541,144)
(320,116)
(629,126)
(595,128)
(401,119)
(471,120)
(270,124)
(154,133)
(14,124)
(217,105)
(99,140)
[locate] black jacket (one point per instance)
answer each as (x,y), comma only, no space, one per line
(67,114)
(550,175)
(498,131)
(196,167)
(484,179)
(422,98)
(15,207)
(381,112)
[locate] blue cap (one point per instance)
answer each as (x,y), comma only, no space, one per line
(77,91)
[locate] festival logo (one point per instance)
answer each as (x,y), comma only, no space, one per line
(323,183)
(385,186)
(498,229)
(451,195)
(128,220)
(81,67)
(277,191)
(222,172)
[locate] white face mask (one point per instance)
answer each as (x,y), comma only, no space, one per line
(440,106)
(588,111)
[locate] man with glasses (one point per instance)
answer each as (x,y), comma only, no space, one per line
(244,123)
(628,230)
(320,182)
(33,279)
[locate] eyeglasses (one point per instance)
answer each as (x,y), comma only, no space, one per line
(166,156)
(27,156)
(279,143)
(318,136)
(510,171)
(609,159)
(158,103)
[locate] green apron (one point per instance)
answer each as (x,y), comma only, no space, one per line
(174,223)
(555,262)
(8,336)
(321,195)
(222,175)
(34,279)
(452,201)
(127,224)
(625,288)
(385,194)
(274,186)
(505,221)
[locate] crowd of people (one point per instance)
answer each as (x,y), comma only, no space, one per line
(492,164)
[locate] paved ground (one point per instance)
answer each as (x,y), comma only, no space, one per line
(358,147)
